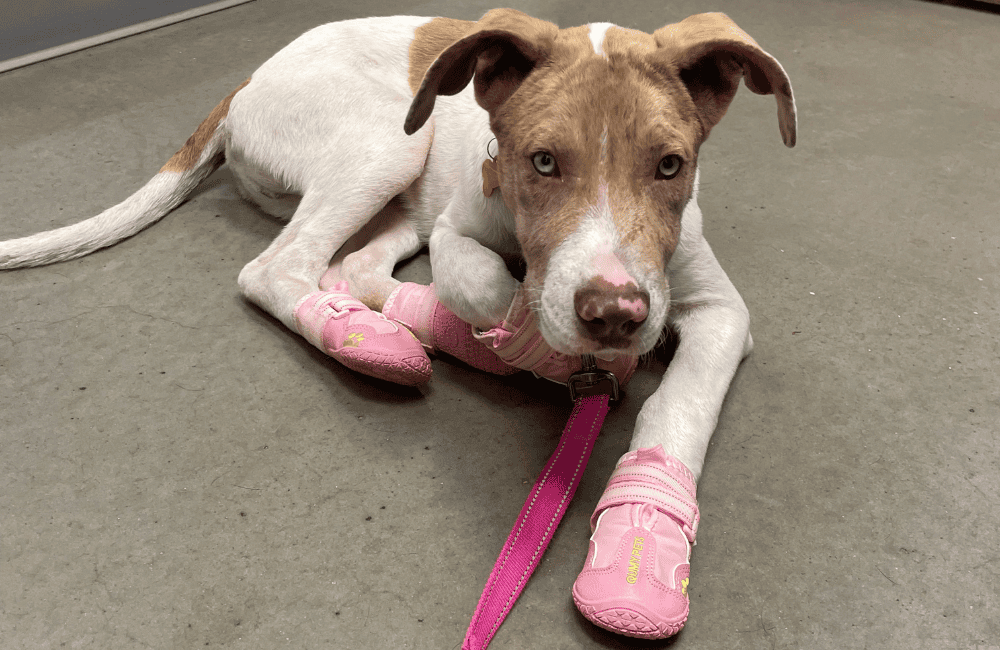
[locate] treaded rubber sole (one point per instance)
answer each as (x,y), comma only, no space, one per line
(627,622)
(407,372)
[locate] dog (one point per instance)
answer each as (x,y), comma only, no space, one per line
(574,150)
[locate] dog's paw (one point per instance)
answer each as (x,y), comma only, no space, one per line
(363,340)
(482,296)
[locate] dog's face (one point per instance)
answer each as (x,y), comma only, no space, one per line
(597,161)
(598,130)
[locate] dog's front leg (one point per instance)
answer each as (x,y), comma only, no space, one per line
(713,326)
(650,505)
(469,278)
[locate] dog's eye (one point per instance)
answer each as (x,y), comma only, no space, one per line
(544,163)
(669,167)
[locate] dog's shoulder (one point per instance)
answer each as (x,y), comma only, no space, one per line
(409,44)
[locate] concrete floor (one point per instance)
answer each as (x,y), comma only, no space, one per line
(177,470)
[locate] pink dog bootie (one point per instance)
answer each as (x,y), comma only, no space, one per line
(361,339)
(635,579)
(416,306)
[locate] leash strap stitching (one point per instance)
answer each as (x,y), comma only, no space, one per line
(512,540)
(595,408)
(556,517)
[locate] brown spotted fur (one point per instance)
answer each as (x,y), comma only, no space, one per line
(641,103)
(429,40)
(187,157)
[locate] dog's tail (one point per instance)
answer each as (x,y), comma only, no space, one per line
(202,154)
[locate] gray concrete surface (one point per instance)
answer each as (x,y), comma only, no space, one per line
(177,470)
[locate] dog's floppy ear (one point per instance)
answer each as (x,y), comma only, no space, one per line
(711,54)
(502,48)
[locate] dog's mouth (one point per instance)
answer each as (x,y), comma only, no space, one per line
(606,348)
(614,344)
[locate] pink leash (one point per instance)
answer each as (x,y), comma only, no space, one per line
(592,391)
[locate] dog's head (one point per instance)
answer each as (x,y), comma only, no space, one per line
(599,129)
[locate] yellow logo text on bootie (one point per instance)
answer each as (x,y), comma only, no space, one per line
(635,558)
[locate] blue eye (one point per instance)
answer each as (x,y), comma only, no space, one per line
(544,163)
(670,166)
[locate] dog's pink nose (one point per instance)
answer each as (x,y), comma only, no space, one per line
(610,307)
(611,314)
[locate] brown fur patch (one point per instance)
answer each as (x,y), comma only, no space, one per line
(498,51)
(713,54)
(608,121)
(188,155)
(429,41)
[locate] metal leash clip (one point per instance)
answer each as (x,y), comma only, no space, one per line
(591,380)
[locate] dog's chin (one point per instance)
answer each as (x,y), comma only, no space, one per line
(634,347)
(563,336)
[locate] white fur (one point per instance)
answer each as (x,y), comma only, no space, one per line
(597,33)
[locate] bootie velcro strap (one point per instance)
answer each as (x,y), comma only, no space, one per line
(671,490)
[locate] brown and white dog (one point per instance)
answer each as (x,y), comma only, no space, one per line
(597,130)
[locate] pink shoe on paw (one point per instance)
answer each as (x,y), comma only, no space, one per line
(360,338)
(635,579)
(416,306)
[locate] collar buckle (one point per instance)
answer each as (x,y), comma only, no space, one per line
(591,380)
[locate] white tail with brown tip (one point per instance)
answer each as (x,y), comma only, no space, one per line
(202,154)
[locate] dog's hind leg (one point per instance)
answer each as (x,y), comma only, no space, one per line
(367,260)
(285,279)
(346,196)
